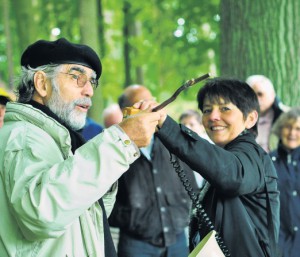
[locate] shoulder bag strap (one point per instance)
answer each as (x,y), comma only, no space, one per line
(109,247)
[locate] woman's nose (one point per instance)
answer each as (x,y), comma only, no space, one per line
(214,115)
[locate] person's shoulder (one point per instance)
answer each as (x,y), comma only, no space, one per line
(273,152)
(245,140)
(37,123)
(283,107)
(279,106)
(91,123)
(91,129)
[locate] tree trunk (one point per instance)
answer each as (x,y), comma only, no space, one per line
(27,18)
(139,71)
(262,37)
(88,17)
(126,46)
(9,52)
(100,26)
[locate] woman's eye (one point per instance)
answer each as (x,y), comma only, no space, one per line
(206,111)
(225,108)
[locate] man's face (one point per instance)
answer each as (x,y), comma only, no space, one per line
(2,113)
(265,95)
(68,100)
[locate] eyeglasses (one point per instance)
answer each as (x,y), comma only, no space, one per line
(82,79)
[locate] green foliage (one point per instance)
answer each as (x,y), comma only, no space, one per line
(166,60)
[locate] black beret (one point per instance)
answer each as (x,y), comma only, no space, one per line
(61,51)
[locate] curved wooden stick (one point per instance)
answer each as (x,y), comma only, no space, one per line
(127,111)
(187,84)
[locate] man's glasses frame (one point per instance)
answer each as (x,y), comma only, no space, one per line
(82,79)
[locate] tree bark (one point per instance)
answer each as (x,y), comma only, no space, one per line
(126,46)
(88,20)
(9,49)
(27,18)
(262,37)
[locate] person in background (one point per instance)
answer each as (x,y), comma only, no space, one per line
(4,99)
(239,174)
(91,129)
(112,114)
(152,207)
(270,109)
(50,179)
(192,119)
(286,159)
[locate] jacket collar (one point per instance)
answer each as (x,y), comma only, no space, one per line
(283,152)
(20,112)
(76,139)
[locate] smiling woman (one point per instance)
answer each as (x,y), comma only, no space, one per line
(236,169)
(227,113)
(224,121)
(286,159)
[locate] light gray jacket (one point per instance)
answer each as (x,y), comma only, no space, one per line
(48,196)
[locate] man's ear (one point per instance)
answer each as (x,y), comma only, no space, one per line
(251,119)
(40,84)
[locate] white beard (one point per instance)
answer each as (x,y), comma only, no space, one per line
(67,111)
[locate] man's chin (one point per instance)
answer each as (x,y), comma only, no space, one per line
(78,124)
(76,127)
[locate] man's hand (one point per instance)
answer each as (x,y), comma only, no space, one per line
(141,126)
(149,105)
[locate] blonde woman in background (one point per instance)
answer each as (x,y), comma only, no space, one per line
(286,159)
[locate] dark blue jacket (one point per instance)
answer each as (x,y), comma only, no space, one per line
(287,165)
(91,129)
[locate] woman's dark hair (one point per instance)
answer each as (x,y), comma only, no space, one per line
(230,90)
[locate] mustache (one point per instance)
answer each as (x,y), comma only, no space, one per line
(83,101)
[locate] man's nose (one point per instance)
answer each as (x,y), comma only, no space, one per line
(88,89)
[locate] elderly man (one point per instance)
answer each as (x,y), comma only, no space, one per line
(151,188)
(50,180)
(112,114)
(270,108)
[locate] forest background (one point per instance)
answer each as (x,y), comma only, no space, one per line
(162,43)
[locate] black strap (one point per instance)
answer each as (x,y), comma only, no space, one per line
(110,250)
